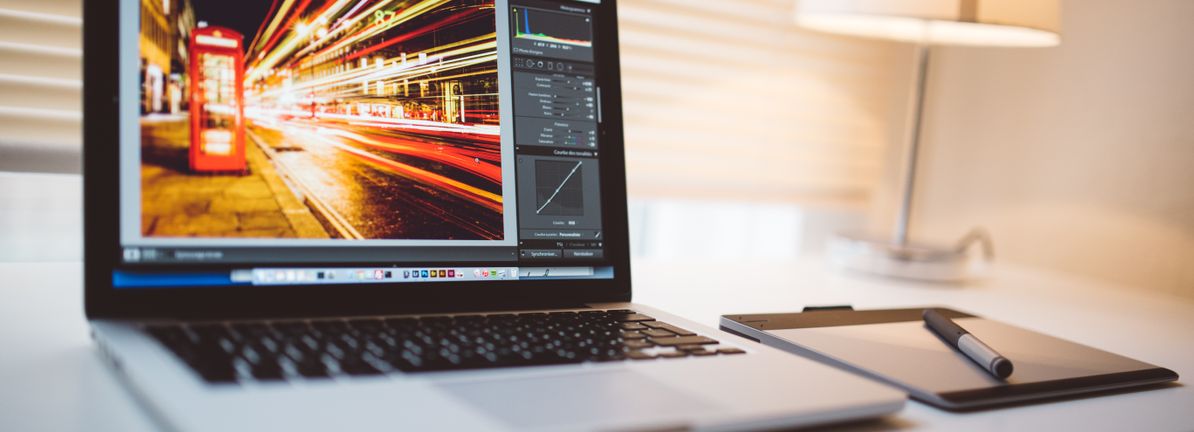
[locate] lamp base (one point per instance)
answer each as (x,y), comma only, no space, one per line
(867,254)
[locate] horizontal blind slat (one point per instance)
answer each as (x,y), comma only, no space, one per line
(27,61)
(20,29)
(57,132)
(23,93)
(63,8)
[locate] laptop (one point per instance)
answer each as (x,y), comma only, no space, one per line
(391,215)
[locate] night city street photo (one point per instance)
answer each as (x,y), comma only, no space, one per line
(318,119)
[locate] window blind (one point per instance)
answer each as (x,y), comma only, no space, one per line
(721,99)
(729,99)
(40,85)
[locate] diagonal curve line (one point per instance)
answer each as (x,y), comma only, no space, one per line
(561,186)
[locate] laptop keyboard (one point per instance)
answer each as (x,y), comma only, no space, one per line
(283,350)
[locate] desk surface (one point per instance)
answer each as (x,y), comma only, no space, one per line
(52,380)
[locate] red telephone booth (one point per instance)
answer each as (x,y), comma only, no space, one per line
(217,100)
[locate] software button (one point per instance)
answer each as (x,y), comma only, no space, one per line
(583,253)
(541,254)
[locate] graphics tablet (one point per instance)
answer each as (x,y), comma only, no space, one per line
(895,347)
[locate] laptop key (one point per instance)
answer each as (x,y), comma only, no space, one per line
(639,355)
(218,375)
(673,354)
(267,371)
(657,333)
(358,367)
(634,317)
(632,326)
(637,344)
(312,369)
(671,328)
(683,340)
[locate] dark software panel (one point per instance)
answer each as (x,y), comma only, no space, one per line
(409,140)
(555,118)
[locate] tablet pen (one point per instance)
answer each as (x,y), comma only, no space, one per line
(979,352)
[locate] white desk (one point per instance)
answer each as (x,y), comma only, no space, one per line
(52,380)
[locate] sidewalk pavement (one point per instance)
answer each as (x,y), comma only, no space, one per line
(178,203)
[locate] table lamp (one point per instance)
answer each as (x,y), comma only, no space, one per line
(1002,23)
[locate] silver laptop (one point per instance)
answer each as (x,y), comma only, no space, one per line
(391,215)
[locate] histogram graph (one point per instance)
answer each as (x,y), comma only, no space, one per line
(556,27)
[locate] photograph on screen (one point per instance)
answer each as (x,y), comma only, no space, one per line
(358,120)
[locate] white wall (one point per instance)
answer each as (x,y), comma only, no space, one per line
(1078,158)
(41,217)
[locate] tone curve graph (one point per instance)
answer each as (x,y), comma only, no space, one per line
(567,195)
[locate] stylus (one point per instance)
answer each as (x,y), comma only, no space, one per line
(958,337)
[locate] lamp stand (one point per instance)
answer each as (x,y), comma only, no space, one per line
(899,257)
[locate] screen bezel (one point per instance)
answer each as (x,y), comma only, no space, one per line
(101,98)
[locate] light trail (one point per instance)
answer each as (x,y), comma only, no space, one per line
(387,109)
(473,55)
(290,43)
(449,157)
(477,195)
(273,9)
(267,115)
(290,46)
(279,14)
(287,12)
(414,33)
(390,21)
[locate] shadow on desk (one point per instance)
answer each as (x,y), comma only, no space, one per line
(896,422)
(889,423)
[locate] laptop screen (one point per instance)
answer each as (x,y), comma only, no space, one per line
(294,142)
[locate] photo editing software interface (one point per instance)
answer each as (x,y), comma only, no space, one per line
(346,142)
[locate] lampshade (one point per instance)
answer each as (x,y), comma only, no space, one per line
(1011,23)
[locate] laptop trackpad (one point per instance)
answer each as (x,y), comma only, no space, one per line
(541,402)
